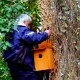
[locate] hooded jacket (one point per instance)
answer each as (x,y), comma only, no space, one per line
(23,36)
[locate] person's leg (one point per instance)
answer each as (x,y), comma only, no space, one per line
(43,74)
(20,74)
(28,75)
(14,72)
(24,76)
(39,75)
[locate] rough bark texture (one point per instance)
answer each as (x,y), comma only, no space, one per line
(63,26)
(47,11)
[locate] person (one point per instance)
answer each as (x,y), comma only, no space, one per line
(23,69)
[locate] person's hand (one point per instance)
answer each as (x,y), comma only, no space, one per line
(48,32)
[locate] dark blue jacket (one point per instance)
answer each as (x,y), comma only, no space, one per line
(24,36)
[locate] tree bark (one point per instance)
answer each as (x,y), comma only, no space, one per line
(63,26)
(47,12)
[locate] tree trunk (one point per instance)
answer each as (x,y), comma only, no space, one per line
(63,24)
(47,12)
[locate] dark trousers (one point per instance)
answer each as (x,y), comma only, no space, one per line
(19,72)
(43,75)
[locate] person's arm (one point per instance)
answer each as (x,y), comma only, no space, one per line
(35,38)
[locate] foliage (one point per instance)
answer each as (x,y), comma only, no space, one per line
(9,10)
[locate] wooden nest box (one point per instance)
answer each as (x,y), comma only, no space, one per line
(44,56)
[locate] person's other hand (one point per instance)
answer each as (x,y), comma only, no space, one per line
(48,32)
